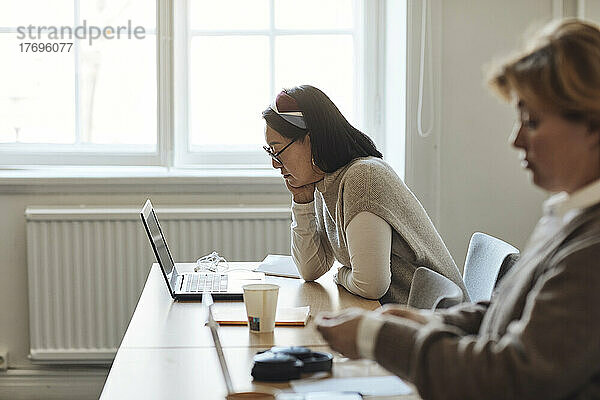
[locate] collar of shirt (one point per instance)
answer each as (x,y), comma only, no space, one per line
(565,206)
(559,210)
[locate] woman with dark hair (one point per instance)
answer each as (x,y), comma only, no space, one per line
(348,204)
(539,336)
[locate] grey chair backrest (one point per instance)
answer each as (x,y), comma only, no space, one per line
(509,261)
(430,290)
(484,258)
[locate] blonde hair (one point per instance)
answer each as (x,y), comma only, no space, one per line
(559,71)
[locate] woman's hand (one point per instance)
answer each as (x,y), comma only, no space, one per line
(403,311)
(340,330)
(302,194)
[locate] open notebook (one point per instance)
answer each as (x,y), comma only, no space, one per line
(290,316)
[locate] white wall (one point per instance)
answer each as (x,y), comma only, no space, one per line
(479,184)
(483,187)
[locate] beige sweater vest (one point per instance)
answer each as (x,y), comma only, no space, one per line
(369,184)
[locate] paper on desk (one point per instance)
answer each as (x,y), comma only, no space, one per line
(290,316)
(249,275)
(367,386)
(279,266)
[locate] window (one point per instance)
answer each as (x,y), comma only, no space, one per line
(69,97)
(118,102)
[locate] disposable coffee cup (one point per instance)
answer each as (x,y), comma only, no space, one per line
(260,300)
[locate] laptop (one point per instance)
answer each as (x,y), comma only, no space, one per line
(189,285)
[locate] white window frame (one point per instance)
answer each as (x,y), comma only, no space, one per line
(172,114)
(82,154)
(366,50)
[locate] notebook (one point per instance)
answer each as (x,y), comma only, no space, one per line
(286,316)
(279,266)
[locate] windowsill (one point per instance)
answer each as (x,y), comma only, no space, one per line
(135,179)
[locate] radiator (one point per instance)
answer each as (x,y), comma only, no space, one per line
(87,267)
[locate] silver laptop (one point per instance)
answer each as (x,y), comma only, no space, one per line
(190,285)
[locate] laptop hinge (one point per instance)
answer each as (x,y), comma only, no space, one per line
(173,280)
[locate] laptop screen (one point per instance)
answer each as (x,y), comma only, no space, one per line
(159,243)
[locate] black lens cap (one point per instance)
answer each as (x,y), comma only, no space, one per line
(296,351)
(270,366)
(317,362)
(285,363)
(314,361)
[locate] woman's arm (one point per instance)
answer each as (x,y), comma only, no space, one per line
(311,250)
(549,352)
(369,240)
(466,316)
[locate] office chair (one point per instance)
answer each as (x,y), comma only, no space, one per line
(485,256)
(430,290)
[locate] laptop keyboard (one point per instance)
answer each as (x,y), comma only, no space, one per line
(211,282)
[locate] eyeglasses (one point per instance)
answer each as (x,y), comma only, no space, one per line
(526,121)
(275,156)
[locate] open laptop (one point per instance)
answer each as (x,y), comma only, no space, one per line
(189,285)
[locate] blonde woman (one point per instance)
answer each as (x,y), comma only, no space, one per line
(539,337)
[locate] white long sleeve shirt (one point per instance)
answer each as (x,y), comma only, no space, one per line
(369,240)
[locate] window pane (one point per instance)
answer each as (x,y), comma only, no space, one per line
(118,91)
(229,14)
(116,13)
(229,89)
(37,100)
(314,14)
(16,13)
(327,62)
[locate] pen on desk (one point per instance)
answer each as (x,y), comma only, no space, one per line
(208,302)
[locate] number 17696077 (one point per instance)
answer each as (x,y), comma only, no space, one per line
(45,47)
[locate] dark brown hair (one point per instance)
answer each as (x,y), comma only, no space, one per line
(334,141)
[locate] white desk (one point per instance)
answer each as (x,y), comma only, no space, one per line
(167,352)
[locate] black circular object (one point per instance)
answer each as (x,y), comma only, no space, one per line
(285,363)
(317,362)
(276,367)
(296,351)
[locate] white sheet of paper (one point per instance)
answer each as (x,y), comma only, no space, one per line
(367,386)
(279,266)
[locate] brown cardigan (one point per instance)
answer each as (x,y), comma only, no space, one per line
(539,337)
